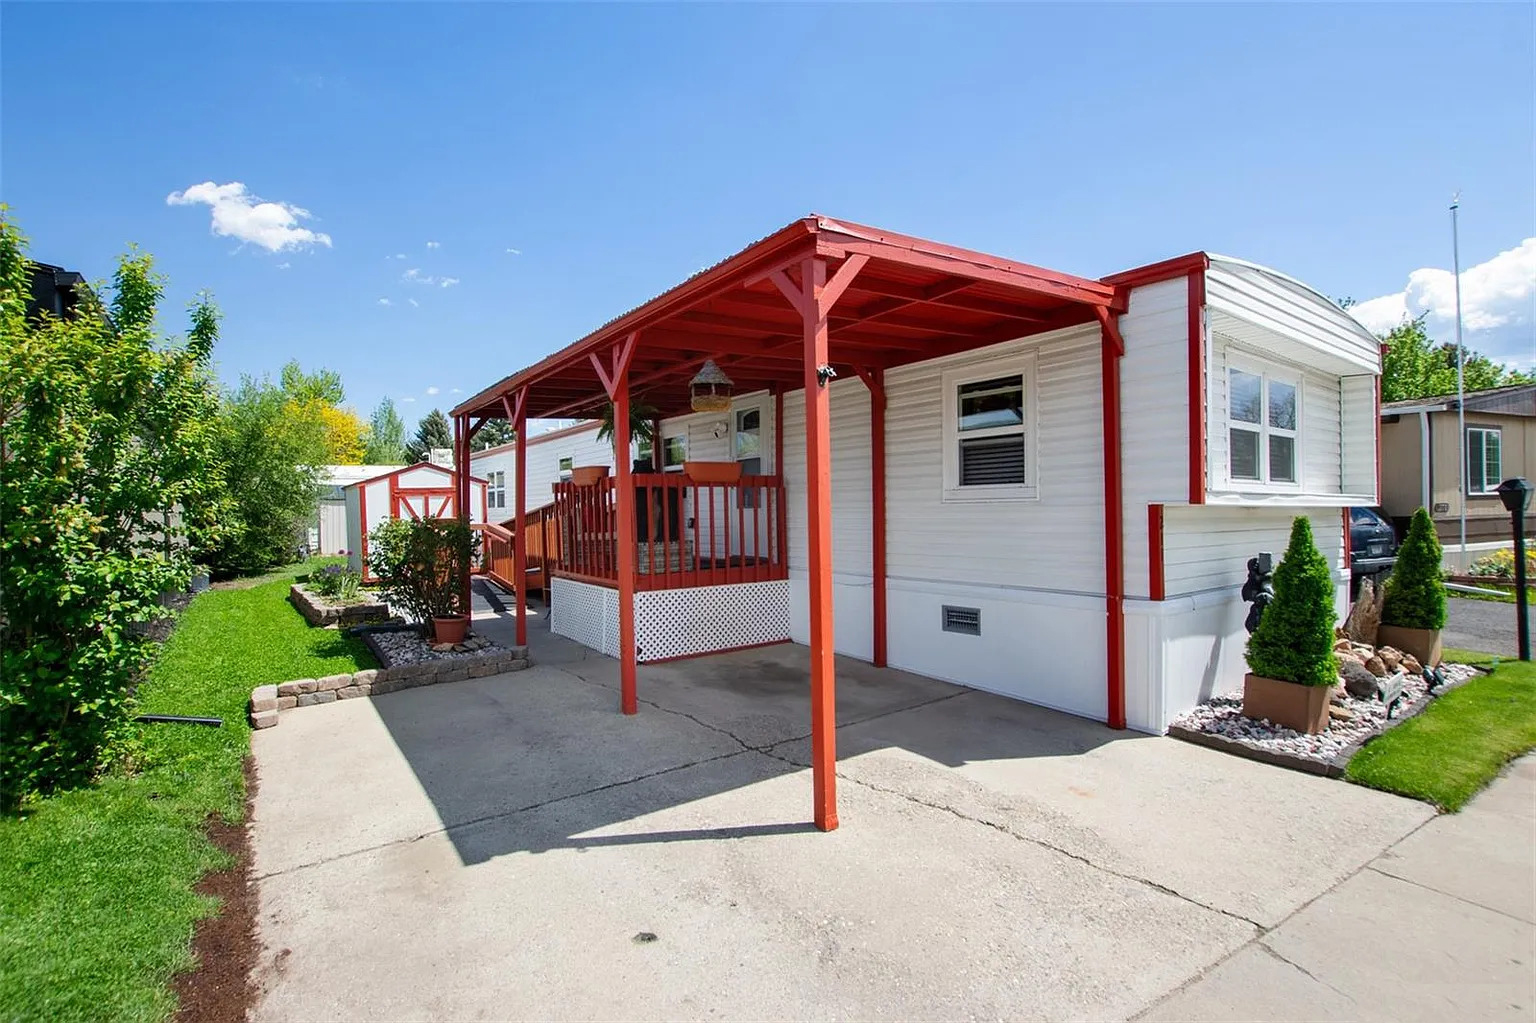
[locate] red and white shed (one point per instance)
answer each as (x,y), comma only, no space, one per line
(416,491)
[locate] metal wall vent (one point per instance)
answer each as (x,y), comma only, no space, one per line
(965,620)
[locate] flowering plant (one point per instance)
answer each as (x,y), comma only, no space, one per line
(337,582)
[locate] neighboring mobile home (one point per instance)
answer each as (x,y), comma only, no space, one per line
(1421,462)
(1036,484)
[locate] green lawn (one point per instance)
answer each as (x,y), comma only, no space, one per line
(1459,743)
(96,900)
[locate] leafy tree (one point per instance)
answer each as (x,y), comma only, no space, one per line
(386,436)
(274,448)
(1415,597)
(108,443)
(1294,640)
(433,431)
(345,435)
(1414,366)
(493,434)
(323,386)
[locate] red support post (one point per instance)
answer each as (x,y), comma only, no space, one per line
(623,528)
(875,380)
(1112,348)
(518,414)
(818,521)
(461,499)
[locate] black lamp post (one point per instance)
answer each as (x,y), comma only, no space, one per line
(1516,495)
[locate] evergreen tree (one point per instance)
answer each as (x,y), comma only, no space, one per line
(1294,640)
(386,436)
(493,434)
(1415,597)
(434,431)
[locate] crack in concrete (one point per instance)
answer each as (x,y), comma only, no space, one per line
(1373,868)
(1304,971)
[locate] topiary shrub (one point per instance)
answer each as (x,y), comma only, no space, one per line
(1294,640)
(1415,591)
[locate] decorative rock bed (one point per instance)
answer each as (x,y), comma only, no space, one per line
(411,668)
(1220,724)
(318,612)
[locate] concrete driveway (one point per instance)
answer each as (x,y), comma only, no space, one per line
(506,847)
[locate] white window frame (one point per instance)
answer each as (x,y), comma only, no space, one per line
(1024,365)
(1485,489)
(563,466)
(1266,372)
(496,488)
(677,433)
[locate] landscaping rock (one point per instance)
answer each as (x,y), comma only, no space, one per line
(351,692)
(320,696)
(442,648)
(366,677)
(1390,656)
(1375,666)
(1411,665)
(263,698)
(289,689)
(264,719)
(333,682)
(1359,682)
(1341,714)
(287,702)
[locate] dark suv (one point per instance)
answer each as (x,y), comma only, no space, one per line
(1372,547)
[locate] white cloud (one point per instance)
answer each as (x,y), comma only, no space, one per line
(239,214)
(399,255)
(434,245)
(405,399)
(415,276)
(414,304)
(431,391)
(385,301)
(1497,299)
(284,266)
(455,390)
(514,252)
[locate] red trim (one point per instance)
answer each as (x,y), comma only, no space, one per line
(722,650)
(1167,270)
(520,514)
(1114,532)
(362,526)
(1197,387)
(1156,583)
(1349,553)
(395,473)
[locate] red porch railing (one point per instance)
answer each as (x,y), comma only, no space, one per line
(543,544)
(687,533)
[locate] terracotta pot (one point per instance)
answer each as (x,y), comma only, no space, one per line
(712,472)
(451,629)
(588,475)
(1421,643)
(1304,708)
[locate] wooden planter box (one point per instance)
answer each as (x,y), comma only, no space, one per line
(1304,708)
(1421,643)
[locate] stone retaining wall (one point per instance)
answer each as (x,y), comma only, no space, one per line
(267,701)
(318,613)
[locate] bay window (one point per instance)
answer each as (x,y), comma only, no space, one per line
(1262,427)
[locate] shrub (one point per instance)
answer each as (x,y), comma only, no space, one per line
(104,425)
(420,562)
(1501,564)
(1294,640)
(1415,591)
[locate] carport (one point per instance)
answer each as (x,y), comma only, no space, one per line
(817,299)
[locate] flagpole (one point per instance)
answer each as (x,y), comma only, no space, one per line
(1461,412)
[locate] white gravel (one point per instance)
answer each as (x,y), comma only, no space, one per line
(1223,716)
(407,647)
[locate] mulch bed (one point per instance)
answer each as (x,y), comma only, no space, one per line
(221,987)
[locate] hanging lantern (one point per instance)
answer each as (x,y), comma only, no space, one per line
(710,390)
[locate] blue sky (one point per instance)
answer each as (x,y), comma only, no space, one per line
(617,149)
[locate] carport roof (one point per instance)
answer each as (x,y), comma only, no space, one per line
(913,300)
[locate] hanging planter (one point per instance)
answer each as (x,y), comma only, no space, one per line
(710,389)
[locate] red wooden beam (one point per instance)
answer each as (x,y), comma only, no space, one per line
(624,525)
(1114,528)
(1197,387)
(517,415)
(1156,579)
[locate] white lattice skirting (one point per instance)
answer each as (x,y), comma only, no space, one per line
(674,623)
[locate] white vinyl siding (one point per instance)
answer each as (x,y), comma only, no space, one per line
(1207,548)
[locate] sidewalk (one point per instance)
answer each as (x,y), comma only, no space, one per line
(1440,926)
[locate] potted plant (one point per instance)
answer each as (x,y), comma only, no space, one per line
(1292,669)
(1414,610)
(712,472)
(420,564)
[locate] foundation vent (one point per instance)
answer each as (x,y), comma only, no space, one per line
(964,620)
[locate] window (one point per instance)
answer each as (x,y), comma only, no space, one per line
(989,431)
(496,489)
(1261,427)
(747,447)
(1485,468)
(565,466)
(674,452)
(644,452)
